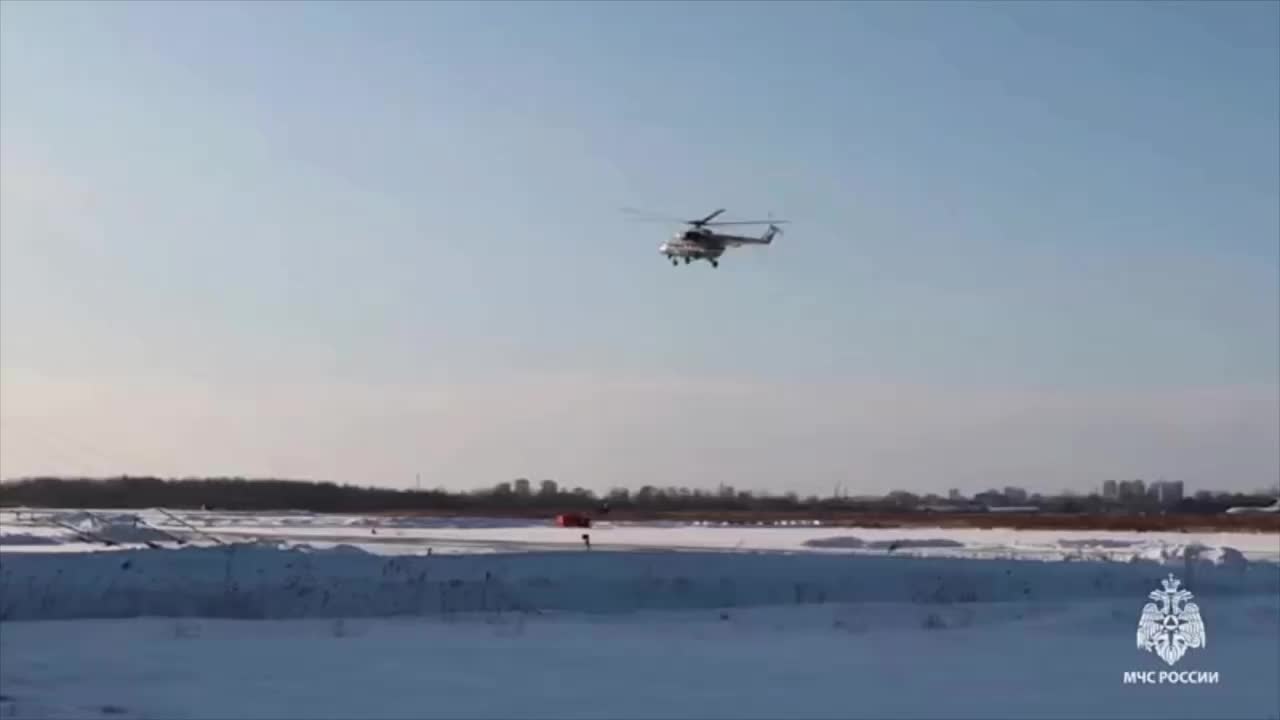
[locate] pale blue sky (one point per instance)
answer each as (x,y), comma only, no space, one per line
(1032,242)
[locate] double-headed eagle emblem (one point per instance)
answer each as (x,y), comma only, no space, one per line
(1173,626)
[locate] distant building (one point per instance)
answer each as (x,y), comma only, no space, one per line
(989,498)
(1015,495)
(1133,490)
(1111,490)
(1169,492)
(954,495)
(548,488)
(523,487)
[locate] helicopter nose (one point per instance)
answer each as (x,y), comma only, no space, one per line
(662,247)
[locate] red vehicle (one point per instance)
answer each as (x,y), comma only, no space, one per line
(573,520)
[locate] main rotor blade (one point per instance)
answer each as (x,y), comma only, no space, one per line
(707,219)
(750,222)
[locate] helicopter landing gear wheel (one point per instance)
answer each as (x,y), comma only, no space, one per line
(715,263)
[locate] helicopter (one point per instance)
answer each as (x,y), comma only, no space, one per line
(700,242)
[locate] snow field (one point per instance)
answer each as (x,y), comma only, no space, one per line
(319,616)
(39,530)
(848,661)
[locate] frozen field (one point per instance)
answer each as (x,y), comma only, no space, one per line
(294,615)
(55,531)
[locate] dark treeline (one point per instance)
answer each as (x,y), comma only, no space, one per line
(523,496)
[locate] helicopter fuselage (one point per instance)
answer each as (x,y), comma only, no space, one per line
(693,247)
(703,244)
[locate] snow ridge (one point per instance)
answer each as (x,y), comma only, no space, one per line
(263,580)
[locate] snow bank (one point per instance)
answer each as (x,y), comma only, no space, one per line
(1097,543)
(856,543)
(122,529)
(261,581)
(1192,553)
(28,539)
(411,522)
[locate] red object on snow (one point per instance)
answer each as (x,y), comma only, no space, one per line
(573,520)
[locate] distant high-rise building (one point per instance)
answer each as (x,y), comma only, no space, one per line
(1111,490)
(1133,490)
(954,495)
(1169,492)
(548,488)
(523,487)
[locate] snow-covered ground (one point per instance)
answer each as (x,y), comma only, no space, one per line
(45,530)
(296,615)
(805,662)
